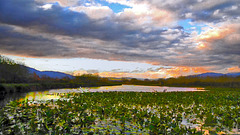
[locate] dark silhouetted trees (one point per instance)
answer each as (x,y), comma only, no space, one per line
(12,72)
(188,81)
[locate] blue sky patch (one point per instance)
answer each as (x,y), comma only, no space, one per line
(186,24)
(116,7)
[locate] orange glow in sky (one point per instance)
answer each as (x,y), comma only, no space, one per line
(122,38)
(201,46)
(161,73)
(215,34)
(211,35)
(234,69)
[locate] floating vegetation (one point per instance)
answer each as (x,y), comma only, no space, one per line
(213,112)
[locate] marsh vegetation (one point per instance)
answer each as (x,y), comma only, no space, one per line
(214,111)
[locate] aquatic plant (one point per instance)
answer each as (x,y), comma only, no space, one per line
(126,113)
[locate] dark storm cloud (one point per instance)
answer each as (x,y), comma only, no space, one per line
(217,13)
(200,10)
(60,32)
(18,43)
(57,20)
(227,49)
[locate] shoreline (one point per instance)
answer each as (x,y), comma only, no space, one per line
(29,87)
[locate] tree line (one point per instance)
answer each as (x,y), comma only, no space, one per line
(189,81)
(14,72)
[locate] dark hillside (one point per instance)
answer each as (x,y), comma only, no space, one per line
(12,72)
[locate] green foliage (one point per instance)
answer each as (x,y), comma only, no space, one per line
(93,80)
(12,72)
(5,60)
(224,81)
(125,113)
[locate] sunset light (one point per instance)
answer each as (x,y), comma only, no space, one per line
(141,35)
(119,67)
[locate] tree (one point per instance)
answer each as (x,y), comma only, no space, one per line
(12,72)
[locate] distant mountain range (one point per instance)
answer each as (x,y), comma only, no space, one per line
(60,75)
(212,74)
(51,74)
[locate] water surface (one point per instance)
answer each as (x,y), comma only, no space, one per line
(53,93)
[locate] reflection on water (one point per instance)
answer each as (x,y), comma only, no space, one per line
(40,96)
(53,94)
(128,88)
(139,88)
(45,95)
(11,97)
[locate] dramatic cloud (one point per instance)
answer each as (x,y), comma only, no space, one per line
(146,31)
(222,44)
(13,42)
(234,69)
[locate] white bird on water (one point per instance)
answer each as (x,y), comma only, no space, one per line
(83,90)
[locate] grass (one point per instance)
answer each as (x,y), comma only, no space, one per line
(214,111)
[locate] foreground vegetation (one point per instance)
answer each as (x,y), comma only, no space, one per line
(214,111)
(190,81)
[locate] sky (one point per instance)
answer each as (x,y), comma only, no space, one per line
(123,38)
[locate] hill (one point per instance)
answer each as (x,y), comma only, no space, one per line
(212,74)
(51,74)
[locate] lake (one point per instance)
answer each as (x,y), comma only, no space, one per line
(53,94)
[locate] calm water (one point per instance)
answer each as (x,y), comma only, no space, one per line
(52,94)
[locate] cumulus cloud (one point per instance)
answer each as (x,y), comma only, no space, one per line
(222,44)
(147,31)
(64,3)
(201,10)
(13,42)
(94,12)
